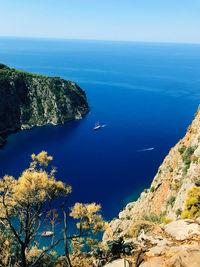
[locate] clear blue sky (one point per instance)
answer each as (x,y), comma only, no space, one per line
(134,20)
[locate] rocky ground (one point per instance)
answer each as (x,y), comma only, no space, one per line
(176,244)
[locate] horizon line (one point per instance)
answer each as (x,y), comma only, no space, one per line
(100,40)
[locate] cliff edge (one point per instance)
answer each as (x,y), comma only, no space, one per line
(162,228)
(175,191)
(28,100)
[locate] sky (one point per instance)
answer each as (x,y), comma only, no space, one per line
(127,20)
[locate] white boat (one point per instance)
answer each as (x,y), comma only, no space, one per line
(47,233)
(97,126)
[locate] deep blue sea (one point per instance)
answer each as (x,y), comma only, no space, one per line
(145,93)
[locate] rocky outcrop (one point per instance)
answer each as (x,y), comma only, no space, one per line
(28,100)
(182,229)
(175,245)
(178,256)
(165,200)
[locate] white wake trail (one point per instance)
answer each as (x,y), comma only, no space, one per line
(146,149)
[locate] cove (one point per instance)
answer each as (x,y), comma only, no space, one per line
(145,93)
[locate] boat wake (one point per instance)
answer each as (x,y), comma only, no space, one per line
(146,149)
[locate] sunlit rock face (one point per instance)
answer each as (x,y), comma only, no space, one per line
(166,199)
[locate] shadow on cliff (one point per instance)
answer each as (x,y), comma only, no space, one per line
(13,96)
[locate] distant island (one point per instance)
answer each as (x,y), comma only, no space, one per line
(28,100)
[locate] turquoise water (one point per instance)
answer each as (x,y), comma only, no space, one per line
(145,93)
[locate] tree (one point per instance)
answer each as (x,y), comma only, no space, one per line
(89,223)
(27,202)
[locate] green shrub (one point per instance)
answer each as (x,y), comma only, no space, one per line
(152,218)
(178,212)
(186,157)
(171,201)
(145,190)
(171,169)
(197,183)
(182,149)
(152,189)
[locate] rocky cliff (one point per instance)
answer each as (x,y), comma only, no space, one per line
(162,228)
(174,192)
(28,100)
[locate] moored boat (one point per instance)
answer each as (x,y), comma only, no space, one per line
(47,233)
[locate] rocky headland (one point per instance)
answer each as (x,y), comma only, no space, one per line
(162,228)
(28,100)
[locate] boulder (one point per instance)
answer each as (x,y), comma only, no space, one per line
(190,256)
(181,256)
(182,229)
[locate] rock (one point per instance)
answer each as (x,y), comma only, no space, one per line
(118,263)
(178,256)
(182,229)
(156,240)
(155,262)
(156,251)
(197,152)
(190,256)
(134,242)
(198,220)
(117,228)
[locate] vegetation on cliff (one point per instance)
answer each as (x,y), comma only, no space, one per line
(28,100)
(192,203)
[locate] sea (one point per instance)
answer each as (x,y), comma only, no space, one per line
(146,95)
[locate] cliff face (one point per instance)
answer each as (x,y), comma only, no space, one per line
(28,100)
(166,198)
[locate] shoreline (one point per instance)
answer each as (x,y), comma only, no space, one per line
(5,133)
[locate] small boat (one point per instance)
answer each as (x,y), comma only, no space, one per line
(97,126)
(48,233)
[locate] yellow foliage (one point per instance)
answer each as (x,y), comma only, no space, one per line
(136,227)
(6,244)
(192,206)
(166,220)
(176,186)
(42,158)
(89,219)
(24,204)
(23,201)
(35,252)
(80,261)
(77,245)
